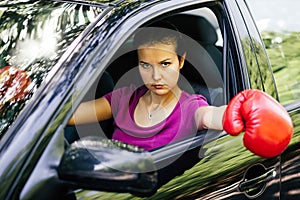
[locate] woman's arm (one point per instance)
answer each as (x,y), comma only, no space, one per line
(91,111)
(210,117)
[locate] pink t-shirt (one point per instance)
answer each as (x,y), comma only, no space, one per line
(179,124)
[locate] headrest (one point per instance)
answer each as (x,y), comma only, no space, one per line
(197,27)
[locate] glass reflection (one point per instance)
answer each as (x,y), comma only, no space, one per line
(33,36)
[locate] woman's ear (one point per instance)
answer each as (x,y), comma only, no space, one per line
(181,61)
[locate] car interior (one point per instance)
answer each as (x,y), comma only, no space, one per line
(202,72)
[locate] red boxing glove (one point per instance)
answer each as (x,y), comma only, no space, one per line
(268,127)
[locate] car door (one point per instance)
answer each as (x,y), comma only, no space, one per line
(211,165)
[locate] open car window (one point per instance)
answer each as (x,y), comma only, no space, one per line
(202,73)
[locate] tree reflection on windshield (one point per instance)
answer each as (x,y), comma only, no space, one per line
(33,36)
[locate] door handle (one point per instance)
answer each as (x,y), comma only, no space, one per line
(253,187)
(252,183)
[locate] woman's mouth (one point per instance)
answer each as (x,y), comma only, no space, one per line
(158,86)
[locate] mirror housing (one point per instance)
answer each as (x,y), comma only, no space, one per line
(108,165)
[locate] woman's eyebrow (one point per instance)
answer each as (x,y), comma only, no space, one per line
(165,60)
(143,62)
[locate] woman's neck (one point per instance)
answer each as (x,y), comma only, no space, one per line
(153,99)
(152,108)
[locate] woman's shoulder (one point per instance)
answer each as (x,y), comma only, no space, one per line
(192,100)
(185,96)
(126,92)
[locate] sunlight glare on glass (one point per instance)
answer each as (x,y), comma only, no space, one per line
(40,44)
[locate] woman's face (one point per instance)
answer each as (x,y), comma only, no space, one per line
(159,67)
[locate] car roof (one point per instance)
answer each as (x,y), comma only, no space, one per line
(101,3)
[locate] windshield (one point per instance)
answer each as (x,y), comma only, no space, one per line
(33,36)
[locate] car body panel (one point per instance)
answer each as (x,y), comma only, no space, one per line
(32,147)
(290,160)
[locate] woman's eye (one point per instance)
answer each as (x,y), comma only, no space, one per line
(165,64)
(145,65)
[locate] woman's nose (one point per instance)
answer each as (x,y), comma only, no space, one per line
(156,73)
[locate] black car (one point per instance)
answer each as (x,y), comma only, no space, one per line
(57,54)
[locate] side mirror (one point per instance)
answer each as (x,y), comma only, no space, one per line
(108,165)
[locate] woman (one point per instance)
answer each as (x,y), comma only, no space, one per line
(160,112)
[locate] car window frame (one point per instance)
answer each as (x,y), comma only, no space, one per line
(164,155)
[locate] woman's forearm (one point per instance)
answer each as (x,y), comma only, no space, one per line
(85,113)
(91,111)
(210,117)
